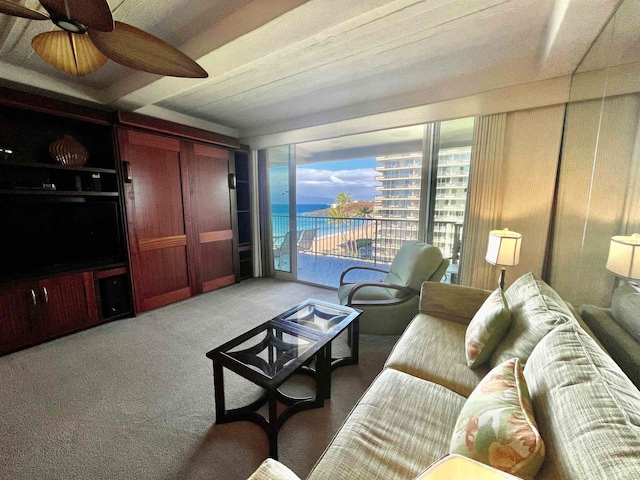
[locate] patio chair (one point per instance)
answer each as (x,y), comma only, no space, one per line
(305,242)
(389,305)
(305,239)
(282,247)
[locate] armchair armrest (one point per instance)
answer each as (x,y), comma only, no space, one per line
(342,282)
(451,302)
(409,293)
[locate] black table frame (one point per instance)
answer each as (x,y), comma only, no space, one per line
(351,323)
(320,351)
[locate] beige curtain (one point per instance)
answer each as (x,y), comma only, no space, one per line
(530,166)
(597,195)
(513,176)
(484,200)
(631,213)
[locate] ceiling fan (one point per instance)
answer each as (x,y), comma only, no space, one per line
(89,37)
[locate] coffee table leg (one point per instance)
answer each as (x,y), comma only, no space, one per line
(218,386)
(324,374)
(355,340)
(273,426)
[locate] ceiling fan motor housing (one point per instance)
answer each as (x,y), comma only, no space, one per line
(65,23)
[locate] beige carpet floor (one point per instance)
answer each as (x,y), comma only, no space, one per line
(133,399)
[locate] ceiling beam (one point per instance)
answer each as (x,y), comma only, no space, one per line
(141,89)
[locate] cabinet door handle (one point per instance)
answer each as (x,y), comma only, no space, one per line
(46,294)
(127,172)
(34,299)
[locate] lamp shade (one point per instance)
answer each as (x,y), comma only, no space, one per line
(624,256)
(503,248)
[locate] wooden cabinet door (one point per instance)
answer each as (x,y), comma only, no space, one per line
(155,219)
(20,321)
(210,204)
(68,303)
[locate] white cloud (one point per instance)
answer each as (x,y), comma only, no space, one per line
(328,183)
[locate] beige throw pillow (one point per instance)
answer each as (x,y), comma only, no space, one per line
(496,425)
(486,329)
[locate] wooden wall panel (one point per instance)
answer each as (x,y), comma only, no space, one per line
(216,262)
(156,219)
(212,217)
(165,270)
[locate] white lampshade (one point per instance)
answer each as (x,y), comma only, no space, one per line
(503,248)
(624,256)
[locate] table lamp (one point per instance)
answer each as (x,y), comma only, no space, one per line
(458,467)
(503,250)
(624,257)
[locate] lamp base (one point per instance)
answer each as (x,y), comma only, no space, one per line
(503,274)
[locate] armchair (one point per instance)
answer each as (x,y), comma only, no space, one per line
(389,305)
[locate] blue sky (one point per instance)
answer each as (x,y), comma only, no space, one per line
(321,182)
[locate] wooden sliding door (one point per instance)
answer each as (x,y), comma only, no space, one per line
(211,217)
(154,187)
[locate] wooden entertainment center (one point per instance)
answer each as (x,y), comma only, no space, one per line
(152,218)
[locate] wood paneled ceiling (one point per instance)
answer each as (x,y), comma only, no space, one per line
(276,65)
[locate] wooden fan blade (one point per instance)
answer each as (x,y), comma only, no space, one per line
(17,10)
(70,52)
(137,49)
(95,14)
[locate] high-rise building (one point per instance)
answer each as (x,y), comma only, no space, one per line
(399,199)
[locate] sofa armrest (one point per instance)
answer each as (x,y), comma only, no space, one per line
(451,302)
(271,469)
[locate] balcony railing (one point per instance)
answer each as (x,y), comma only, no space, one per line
(371,239)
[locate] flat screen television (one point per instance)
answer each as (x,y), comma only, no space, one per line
(43,237)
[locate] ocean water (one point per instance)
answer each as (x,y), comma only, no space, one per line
(280,220)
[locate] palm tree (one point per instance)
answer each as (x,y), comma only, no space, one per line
(337,215)
(342,200)
(365,211)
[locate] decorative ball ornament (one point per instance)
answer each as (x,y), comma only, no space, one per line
(69,152)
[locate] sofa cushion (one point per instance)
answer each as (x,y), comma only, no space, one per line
(399,427)
(486,329)
(496,425)
(535,310)
(587,410)
(432,348)
(625,306)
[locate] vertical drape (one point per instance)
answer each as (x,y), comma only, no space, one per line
(598,169)
(254,195)
(484,200)
(530,167)
(261,231)
(631,213)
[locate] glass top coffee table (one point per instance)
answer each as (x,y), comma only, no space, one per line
(327,320)
(271,353)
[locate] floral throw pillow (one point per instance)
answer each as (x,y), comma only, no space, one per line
(486,329)
(496,424)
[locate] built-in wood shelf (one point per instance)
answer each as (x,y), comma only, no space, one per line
(66,193)
(47,166)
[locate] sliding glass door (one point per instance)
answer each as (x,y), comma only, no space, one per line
(354,200)
(283,217)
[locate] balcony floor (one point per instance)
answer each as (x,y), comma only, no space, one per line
(326,270)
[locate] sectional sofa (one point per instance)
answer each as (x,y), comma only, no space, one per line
(587,411)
